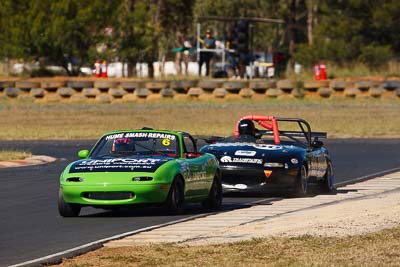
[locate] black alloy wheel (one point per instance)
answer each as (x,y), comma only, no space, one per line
(214,200)
(301,186)
(328,184)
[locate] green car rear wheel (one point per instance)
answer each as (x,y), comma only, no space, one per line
(214,200)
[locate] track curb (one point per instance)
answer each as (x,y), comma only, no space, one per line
(33,160)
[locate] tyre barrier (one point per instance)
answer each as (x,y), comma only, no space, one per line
(12,92)
(364,85)
(131,86)
(338,87)
(398,92)
(246,93)
(351,92)
(104,85)
(129,98)
(182,86)
(209,85)
(376,92)
(273,92)
(285,86)
(142,93)
(26,85)
(311,89)
(5,84)
(260,87)
(52,86)
(65,92)
(195,92)
(52,98)
(234,87)
(78,98)
(311,86)
(220,93)
(324,83)
(79,85)
(117,93)
(167,93)
(37,93)
(104,99)
(390,85)
(104,91)
(297,93)
(90,93)
(325,92)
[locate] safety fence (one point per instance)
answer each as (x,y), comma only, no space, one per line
(107,91)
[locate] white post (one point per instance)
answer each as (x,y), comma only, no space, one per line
(198,42)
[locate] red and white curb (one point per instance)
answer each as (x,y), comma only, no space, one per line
(33,160)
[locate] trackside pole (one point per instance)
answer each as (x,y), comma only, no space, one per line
(198,42)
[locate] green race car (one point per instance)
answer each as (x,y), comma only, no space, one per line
(140,167)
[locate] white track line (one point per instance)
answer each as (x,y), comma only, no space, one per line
(86,247)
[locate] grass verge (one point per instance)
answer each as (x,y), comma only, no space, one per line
(14,154)
(339,117)
(376,249)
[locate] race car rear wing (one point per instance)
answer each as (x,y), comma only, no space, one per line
(270,123)
(295,133)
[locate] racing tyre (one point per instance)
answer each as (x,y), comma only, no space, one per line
(66,209)
(328,184)
(301,186)
(214,200)
(175,198)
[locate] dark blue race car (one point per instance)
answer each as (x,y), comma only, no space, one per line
(271,159)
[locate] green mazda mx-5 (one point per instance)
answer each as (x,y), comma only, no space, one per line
(140,167)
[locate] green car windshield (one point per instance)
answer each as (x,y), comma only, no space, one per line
(137,143)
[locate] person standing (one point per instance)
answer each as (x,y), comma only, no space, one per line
(206,56)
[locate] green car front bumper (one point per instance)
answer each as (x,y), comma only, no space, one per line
(111,188)
(103,195)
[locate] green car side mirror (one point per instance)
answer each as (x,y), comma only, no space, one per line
(83,154)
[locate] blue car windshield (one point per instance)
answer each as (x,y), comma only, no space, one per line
(137,143)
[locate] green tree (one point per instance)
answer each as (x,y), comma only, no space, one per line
(52,30)
(55,31)
(145,30)
(351,31)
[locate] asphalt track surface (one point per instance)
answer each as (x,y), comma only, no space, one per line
(30,226)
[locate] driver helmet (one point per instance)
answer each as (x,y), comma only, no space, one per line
(246,127)
(122,145)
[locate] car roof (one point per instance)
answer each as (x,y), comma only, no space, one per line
(144,131)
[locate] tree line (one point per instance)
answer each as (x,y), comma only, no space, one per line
(60,31)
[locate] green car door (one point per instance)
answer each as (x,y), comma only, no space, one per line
(200,176)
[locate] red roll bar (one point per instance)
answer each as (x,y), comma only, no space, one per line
(268,122)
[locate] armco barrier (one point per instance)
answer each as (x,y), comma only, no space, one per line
(113,90)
